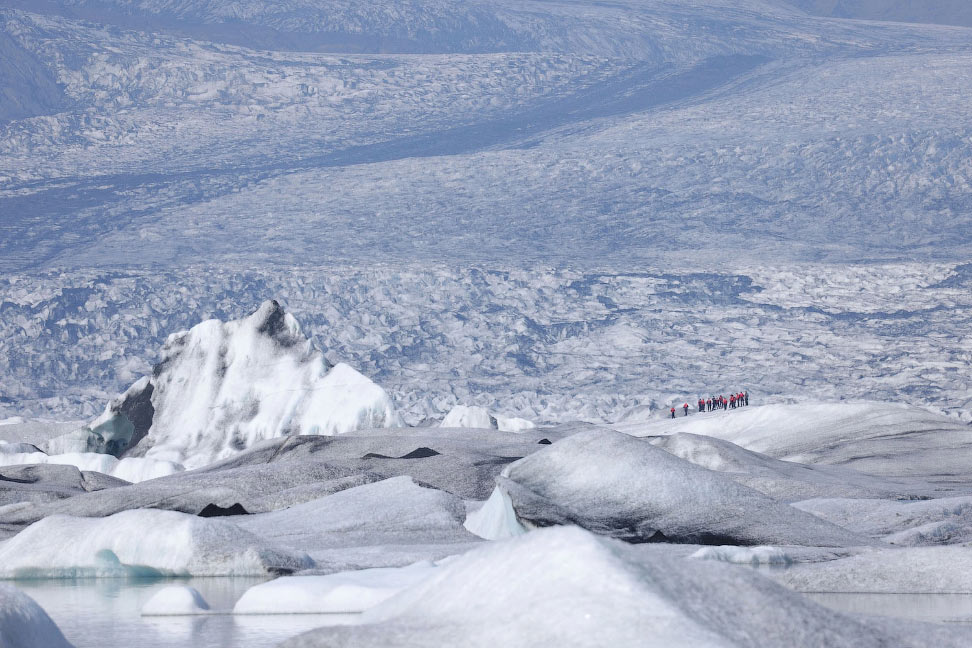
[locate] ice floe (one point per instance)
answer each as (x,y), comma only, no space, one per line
(338,593)
(24,624)
(140,543)
(176,600)
(566,586)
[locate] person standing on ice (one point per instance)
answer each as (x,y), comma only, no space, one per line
(732,401)
(673,412)
(701,405)
(746,396)
(685,408)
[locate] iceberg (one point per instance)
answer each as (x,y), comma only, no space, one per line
(463,416)
(25,624)
(142,543)
(566,586)
(222,387)
(176,600)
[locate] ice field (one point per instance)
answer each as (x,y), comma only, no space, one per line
(358,323)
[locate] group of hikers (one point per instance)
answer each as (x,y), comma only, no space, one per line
(718,402)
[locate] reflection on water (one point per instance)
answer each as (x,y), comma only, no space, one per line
(956,608)
(105,613)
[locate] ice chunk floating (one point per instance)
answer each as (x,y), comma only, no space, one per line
(143,542)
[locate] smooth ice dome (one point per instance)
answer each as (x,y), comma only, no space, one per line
(464,416)
(343,592)
(885,439)
(24,624)
(175,600)
(617,485)
(140,543)
(565,586)
(221,387)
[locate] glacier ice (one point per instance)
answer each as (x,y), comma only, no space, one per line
(566,585)
(139,543)
(221,387)
(24,624)
(175,600)
(914,570)
(464,416)
(341,592)
(392,511)
(617,485)
(883,439)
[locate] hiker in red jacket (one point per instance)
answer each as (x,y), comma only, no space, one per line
(673,412)
(685,409)
(732,401)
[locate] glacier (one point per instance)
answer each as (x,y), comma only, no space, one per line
(537,225)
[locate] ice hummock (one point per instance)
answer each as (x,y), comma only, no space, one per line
(221,387)
(617,485)
(339,593)
(884,439)
(566,586)
(25,624)
(142,542)
(465,416)
(175,600)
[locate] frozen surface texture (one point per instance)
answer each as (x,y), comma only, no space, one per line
(141,543)
(946,520)
(393,511)
(616,485)
(24,624)
(571,587)
(918,570)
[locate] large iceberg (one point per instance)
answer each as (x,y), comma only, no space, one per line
(568,587)
(625,487)
(142,543)
(221,387)
(24,624)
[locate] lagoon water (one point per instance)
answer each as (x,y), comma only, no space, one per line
(106,613)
